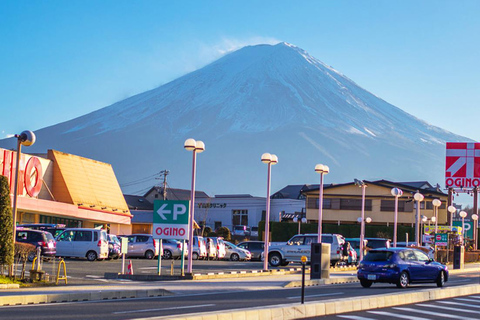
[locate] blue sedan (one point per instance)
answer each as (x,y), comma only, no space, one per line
(401,266)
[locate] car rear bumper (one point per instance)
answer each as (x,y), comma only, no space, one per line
(389,275)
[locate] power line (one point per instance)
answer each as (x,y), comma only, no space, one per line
(138,181)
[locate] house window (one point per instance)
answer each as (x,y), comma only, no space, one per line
(217,224)
(240,217)
(313,203)
(355,204)
(389,205)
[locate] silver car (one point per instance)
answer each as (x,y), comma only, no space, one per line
(235,253)
(82,243)
(172,249)
(142,245)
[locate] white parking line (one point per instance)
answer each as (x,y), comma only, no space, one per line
(460,304)
(355,317)
(317,295)
(162,309)
(444,315)
(443,308)
(468,300)
(394,315)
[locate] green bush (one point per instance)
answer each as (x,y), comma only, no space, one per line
(225,233)
(6,225)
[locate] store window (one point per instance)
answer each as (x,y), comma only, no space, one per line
(240,217)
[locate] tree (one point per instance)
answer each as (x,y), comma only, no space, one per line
(225,233)
(6,224)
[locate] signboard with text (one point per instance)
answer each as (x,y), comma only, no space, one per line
(170,219)
(468,228)
(441,239)
(462,165)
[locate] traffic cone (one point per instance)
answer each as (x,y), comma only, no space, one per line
(130,267)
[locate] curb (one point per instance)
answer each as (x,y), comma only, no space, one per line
(320,282)
(80,296)
(9,286)
(329,307)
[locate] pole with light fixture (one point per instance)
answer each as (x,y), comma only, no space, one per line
(362,185)
(475,230)
(321,169)
(269,159)
(463,214)
(26,138)
(396,192)
(436,204)
(362,222)
(195,147)
(418,197)
(452,210)
(300,221)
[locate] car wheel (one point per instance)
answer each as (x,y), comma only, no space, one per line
(275,259)
(195,256)
(403,280)
(234,257)
(167,254)
(366,283)
(149,255)
(441,279)
(91,256)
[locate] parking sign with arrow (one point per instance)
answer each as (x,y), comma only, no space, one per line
(170,219)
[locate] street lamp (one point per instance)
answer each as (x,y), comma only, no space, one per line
(436,204)
(396,192)
(452,210)
(195,147)
(303,220)
(26,138)
(463,214)
(475,230)
(322,169)
(269,159)
(362,221)
(362,185)
(418,197)
(422,226)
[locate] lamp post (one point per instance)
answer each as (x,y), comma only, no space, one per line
(452,210)
(322,169)
(26,138)
(436,204)
(475,230)
(300,221)
(463,214)
(362,222)
(422,226)
(269,159)
(418,197)
(396,192)
(195,147)
(362,185)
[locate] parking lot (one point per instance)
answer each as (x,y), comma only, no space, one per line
(81,271)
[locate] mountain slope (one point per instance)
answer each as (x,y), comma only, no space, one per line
(258,99)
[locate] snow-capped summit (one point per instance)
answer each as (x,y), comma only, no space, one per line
(263,98)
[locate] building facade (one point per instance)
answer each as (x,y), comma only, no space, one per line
(62,188)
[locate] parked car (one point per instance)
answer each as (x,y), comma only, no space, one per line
(143,246)
(199,248)
(355,244)
(235,253)
(254,247)
(377,243)
(38,238)
(220,247)
(254,232)
(114,247)
(401,266)
(83,243)
(172,249)
(54,229)
(211,249)
(243,231)
(300,245)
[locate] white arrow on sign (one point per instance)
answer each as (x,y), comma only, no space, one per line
(161,211)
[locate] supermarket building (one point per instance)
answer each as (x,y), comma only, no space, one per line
(63,188)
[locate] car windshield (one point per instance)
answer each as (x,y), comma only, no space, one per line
(378,256)
(49,236)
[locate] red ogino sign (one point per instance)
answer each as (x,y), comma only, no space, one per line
(29,174)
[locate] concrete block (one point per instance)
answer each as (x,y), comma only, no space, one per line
(330,308)
(299,311)
(239,315)
(253,315)
(264,314)
(224,316)
(373,303)
(343,306)
(380,302)
(210,317)
(357,304)
(276,313)
(320,309)
(310,310)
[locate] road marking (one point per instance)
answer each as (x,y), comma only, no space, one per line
(162,309)
(443,308)
(460,304)
(355,318)
(317,295)
(394,315)
(463,280)
(444,315)
(468,300)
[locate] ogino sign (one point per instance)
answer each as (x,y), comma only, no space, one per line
(170,219)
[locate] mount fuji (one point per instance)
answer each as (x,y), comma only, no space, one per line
(263,98)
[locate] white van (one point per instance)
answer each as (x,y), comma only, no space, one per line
(83,243)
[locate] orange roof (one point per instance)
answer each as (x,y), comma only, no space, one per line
(86,183)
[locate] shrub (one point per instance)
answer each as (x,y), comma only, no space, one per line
(6,227)
(225,233)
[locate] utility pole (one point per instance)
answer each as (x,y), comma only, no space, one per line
(165,174)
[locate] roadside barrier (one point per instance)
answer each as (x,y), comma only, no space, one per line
(62,263)
(130,267)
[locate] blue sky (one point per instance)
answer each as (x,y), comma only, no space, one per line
(63,59)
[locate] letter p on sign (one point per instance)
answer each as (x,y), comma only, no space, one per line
(178,209)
